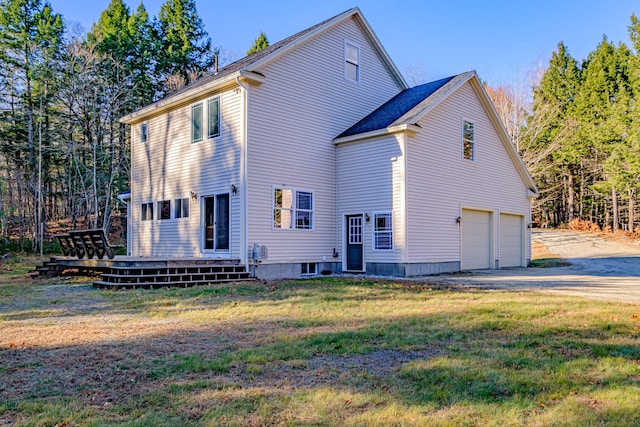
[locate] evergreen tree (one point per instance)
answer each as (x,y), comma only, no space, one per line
(185,48)
(258,44)
(30,40)
(553,108)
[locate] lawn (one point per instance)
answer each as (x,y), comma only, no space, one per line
(330,351)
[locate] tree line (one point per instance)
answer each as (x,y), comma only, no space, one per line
(577,126)
(63,153)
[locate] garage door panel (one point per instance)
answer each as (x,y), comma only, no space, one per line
(511,240)
(476,240)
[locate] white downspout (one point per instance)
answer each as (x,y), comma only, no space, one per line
(244,213)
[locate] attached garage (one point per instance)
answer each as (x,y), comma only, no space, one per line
(511,240)
(476,234)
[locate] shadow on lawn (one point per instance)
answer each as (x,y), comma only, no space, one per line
(266,370)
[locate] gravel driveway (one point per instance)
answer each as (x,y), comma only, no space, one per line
(601,267)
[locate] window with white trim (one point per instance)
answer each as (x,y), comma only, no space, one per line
(309,268)
(146,210)
(181,208)
(468,137)
(144,132)
(292,209)
(382,231)
(351,62)
(164,209)
(213,117)
(196,122)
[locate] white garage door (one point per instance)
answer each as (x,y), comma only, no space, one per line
(476,240)
(511,242)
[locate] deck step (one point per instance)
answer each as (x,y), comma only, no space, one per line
(118,274)
(157,285)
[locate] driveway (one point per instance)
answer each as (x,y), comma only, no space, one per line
(601,267)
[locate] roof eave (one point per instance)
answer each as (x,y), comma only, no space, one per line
(192,95)
(404,128)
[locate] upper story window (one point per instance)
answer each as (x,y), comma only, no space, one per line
(382,231)
(196,122)
(468,138)
(213,117)
(292,209)
(351,62)
(144,132)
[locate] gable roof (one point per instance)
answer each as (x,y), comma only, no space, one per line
(248,66)
(403,111)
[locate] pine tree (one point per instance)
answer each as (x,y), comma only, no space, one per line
(258,44)
(185,48)
(30,39)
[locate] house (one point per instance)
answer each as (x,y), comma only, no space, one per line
(314,155)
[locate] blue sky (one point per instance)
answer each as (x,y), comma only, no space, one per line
(498,39)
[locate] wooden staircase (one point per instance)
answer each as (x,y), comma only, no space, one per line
(130,273)
(122,277)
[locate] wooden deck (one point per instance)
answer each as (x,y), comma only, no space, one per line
(125,272)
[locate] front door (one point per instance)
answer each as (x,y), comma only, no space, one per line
(216,222)
(354,245)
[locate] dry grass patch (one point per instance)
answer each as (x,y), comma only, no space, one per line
(542,257)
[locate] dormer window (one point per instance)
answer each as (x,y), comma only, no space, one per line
(351,62)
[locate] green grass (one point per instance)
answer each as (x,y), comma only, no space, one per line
(332,351)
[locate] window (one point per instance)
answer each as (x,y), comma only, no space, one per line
(164,209)
(292,209)
(196,123)
(309,269)
(351,62)
(147,211)
(213,114)
(181,209)
(144,132)
(382,231)
(467,140)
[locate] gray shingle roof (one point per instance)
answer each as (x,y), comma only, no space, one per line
(395,108)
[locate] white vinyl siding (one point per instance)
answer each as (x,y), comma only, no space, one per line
(293,118)
(371,180)
(441,182)
(170,167)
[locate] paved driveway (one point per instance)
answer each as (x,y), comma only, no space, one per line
(601,268)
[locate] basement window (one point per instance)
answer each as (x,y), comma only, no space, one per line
(309,268)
